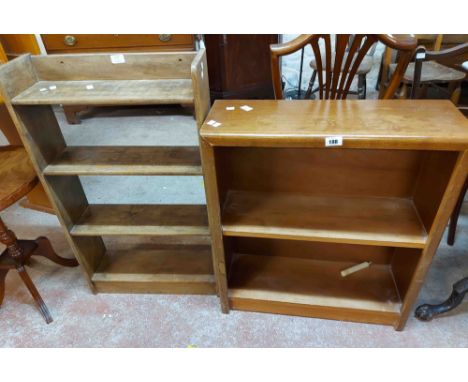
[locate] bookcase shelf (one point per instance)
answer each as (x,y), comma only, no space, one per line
(142,220)
(30,86)
(108,92)
(176,269)
(316,283)
(288,213)
(132,160)
(340,219)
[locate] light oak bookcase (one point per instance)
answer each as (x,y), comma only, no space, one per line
(287,213)
(32,84)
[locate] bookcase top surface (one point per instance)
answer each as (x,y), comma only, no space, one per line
(405,124)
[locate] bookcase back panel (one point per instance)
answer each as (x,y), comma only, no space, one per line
(144,66)
(350,172)
(312,250)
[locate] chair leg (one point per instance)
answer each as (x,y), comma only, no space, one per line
(427,312)
(456,214)
(455,94)
(44,248)
(35,294)
(311,84)
(3,273)
(362,86)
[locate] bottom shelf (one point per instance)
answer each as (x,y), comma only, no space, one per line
(313,288)
(172,269)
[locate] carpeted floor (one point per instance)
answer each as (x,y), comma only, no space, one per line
(82,319)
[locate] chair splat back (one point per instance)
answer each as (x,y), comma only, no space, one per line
(341,64)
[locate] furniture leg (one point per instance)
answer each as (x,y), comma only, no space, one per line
(362,86)
(8,238)
(455,92)
(311,85)
(3,273)
(71,114)
(456,214)
(427,312)
(44,248)
(34,293)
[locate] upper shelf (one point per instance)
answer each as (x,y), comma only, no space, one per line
(353,220)
(392,124)
(107,92)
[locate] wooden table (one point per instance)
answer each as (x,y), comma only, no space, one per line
(298,191)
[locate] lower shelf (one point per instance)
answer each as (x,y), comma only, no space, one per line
(313,288)
(177,269)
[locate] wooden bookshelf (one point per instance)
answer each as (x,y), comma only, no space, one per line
(288,213)
(32,84)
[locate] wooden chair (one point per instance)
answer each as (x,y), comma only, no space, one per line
(432,71)
(427,71)
(363,69)
(17,178)
(342,64)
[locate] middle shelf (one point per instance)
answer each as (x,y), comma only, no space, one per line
(340,219)
(142,220)
(126,160)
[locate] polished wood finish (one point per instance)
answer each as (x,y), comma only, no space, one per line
(358,220)
(389,124)
(92,43)
(17,175)
(340,74)
(239,65)
(287,213)
(59,166)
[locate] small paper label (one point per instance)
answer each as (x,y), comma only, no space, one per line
(52,87)
(230,108)
(246,108)
(420,56)
(90,87)
(117,59)
(333,141)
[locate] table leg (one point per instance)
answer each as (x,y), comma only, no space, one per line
(427,312)
(34,293)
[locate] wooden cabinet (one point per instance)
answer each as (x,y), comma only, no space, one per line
(298,191)
(180,261)
(239,65)
(76,43)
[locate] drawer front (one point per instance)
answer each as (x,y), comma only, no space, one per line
(63,43)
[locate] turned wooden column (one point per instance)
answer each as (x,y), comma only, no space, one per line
(8,238)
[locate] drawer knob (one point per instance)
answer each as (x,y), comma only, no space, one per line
(165,37)
(70,40)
